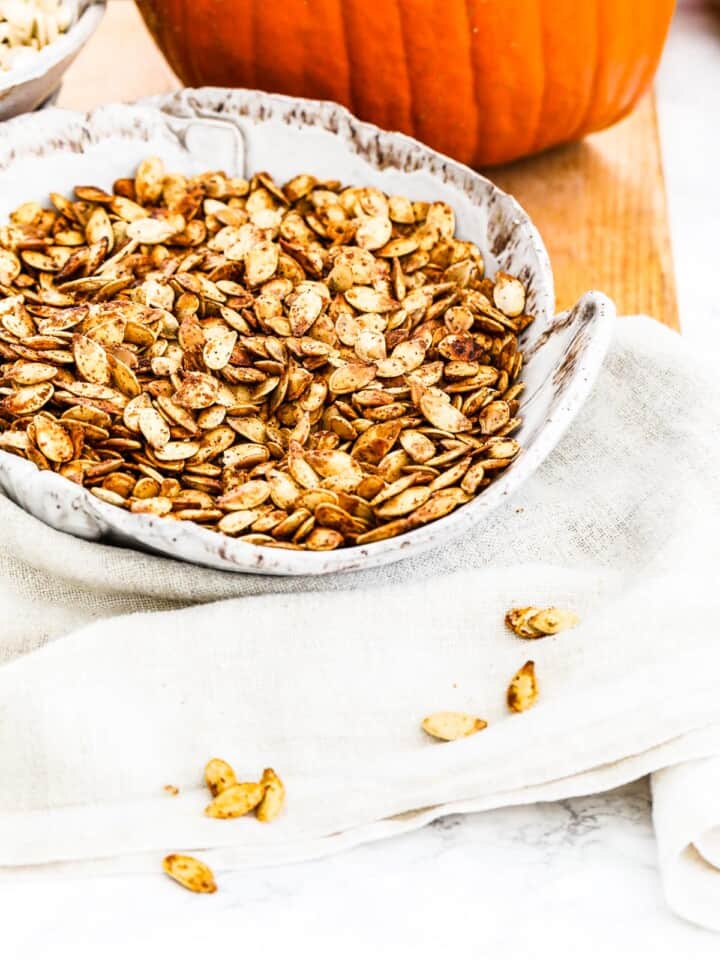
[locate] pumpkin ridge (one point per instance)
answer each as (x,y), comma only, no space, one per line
(404,46)
(477,158)
(382,86)
(539,119)
(345,36)
(214,26)
(190,52)
(473,152)
(325,37)
(586,121)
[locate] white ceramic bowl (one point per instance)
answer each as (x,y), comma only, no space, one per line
(244,131)
(26,87)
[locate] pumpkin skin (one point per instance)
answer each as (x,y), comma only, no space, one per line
(485,81)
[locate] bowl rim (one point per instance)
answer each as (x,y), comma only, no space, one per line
(243,557)
(66,45)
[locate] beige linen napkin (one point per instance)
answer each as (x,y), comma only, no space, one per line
(118,674)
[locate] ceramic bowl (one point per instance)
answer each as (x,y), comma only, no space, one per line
(28,86)
(244,131)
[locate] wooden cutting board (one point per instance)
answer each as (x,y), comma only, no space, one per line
(599,204)
(601,209)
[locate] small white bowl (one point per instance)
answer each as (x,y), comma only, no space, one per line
(243,131)
(27,86)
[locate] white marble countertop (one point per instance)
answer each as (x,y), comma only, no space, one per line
(571,879)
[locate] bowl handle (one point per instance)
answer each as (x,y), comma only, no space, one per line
(221,139)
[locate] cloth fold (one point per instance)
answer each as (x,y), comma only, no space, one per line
(121,672)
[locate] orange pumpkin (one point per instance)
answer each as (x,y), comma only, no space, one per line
(482,80)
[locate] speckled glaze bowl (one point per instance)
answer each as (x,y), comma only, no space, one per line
(243,131)
(28,86)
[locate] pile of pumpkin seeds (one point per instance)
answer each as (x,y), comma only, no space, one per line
(306,366)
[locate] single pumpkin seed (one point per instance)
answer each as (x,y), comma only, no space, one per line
(272,803)
(450,725)
(190,873)
(235,801)
(219,775)
(523,690)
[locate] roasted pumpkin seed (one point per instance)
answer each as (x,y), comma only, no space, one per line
(523,690)
(235,801)
(219,775)
(272,803)
(448,725)
(307,366)
(190,873)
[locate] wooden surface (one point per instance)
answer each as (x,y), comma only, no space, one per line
(599,205)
